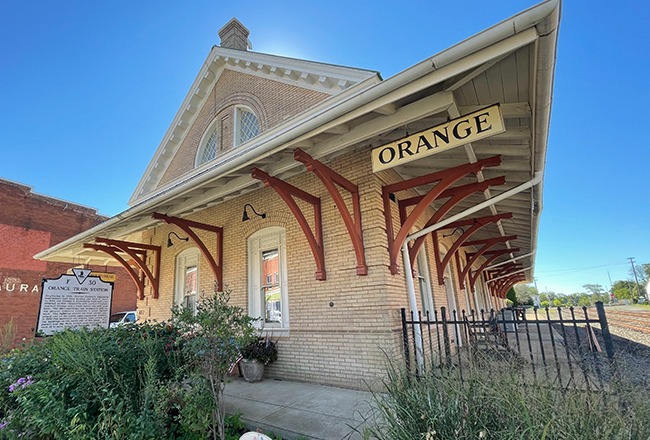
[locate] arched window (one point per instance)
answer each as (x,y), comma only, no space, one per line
(210,144)
(186,289)
(246,125)
(267,279)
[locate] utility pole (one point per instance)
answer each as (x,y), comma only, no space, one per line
(611,288)
(635,277)
(610,280)
(535,281)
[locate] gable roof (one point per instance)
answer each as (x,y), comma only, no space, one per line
(435,89)
(325,78)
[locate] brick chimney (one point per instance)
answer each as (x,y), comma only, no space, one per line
(234,35)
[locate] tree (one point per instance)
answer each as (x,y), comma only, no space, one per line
(213,338)
(512,296)
(526,294)
(547,296)
(594,289)
(559,302)
(584,300)
(624,289)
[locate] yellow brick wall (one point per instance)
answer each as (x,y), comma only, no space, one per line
(337,345)
(342,345)
(271,101)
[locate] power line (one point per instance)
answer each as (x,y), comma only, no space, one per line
(578,269)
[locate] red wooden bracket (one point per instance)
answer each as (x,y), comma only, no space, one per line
(113,252)
(288,192)
(487,244)
(444,180)
(186,226)
(506,268)
(493,256)
(501,291)
(455,195)
(330,179)
(499,284)
(138,254)
(503,273)
(474,225)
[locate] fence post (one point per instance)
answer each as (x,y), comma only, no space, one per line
(405,335)
(445,333)
(609,345)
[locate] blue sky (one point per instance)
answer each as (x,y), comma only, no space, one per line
(88,89)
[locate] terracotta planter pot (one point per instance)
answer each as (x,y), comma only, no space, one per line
(252,370)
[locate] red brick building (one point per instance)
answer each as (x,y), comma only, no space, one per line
(30,223)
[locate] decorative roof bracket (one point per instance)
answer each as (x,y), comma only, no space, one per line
(474,225)
(186,226)
(501,291)
(445,179)
(493,256)
(487,244)
(288,192)
(138,259)
(501,276)
(330,179)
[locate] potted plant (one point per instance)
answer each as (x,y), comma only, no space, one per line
(256,355)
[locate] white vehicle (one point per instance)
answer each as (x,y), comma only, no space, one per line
(122,318)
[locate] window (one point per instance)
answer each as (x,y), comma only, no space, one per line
(246,126)
(211,143)
(267,275)
(187,279)
(424,282)
(209,152)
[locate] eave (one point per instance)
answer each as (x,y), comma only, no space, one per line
(374,114)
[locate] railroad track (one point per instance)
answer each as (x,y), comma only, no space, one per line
(638,321)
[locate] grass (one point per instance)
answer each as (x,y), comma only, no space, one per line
(492,404)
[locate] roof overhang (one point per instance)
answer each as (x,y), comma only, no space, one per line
(511,63)
(325,78)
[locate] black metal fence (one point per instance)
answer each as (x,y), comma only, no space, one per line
(561,347)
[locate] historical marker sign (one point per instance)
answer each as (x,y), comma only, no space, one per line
(74,301)
(460,131)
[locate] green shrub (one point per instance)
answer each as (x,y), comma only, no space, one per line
(216,332)
(544,304)
(134,382)
(92,384)
(262,350)
(492,404)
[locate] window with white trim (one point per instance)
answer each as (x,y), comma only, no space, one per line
(186,289)
(246,125)
(267,279)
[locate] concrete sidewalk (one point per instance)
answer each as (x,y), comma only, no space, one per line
(294,409)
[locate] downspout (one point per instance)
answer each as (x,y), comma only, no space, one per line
(408,271)
(407,261)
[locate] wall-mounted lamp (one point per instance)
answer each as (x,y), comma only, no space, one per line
(169,238)
(453,232)
(246,217)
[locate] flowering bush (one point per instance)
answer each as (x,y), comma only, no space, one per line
(135,382)
(96,384)
(21,384)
